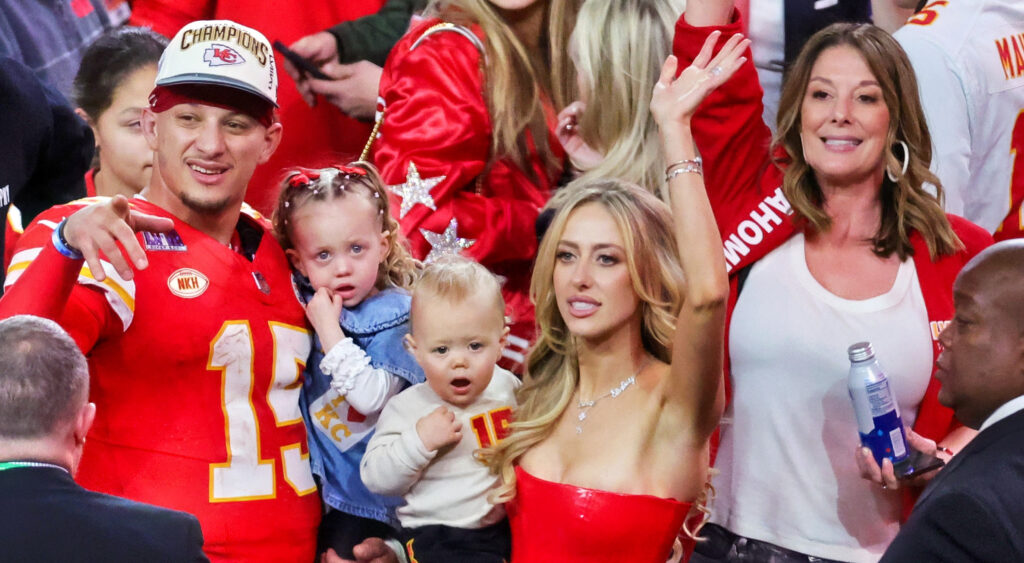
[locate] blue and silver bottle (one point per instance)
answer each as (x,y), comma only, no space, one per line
(878,414)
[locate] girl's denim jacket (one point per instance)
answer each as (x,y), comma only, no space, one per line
(338,434)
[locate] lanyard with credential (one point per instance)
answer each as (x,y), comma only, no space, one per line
(5,465)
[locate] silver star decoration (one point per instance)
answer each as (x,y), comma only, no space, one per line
(415,190)
(446,243)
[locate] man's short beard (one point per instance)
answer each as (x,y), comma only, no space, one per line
(202,207)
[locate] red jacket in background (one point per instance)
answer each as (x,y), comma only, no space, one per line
(433,148)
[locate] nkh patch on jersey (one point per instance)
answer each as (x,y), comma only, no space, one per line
(187,283)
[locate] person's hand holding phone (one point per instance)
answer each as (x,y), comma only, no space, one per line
(318,49)
(351,88)
(924,461)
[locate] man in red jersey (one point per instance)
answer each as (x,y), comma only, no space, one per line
(186,311)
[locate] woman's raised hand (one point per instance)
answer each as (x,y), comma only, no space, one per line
(676,99)
(582,155)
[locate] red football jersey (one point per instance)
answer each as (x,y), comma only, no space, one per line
(195,367)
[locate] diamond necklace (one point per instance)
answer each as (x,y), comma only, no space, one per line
(585,406)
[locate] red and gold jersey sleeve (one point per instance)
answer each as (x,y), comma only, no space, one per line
(13,228)
(42,282)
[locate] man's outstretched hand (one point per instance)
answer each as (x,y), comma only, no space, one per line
(102,226)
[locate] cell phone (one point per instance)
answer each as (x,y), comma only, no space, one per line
(300,62)
(920,463)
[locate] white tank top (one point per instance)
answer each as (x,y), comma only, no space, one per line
(787,469)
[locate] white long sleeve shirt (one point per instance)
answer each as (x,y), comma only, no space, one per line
(448,486)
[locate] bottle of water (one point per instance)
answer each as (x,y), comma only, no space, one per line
(878,415)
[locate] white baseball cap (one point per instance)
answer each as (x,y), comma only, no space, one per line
(223,53)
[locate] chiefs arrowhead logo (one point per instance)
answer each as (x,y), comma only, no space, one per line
(220,55)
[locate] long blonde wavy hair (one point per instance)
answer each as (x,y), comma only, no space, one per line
(906,206)
(552,368)
(618,48)
(518,79)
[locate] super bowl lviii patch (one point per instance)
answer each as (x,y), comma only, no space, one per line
(170,240)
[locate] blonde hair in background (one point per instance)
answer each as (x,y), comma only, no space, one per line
(516,78)
(906,206)
(552,369)
(453,279)
(618,48)
(399,268)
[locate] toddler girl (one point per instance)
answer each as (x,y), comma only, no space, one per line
(352,272)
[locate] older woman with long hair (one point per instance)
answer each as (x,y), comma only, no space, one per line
(609,448)
(868,254)
(466,135)
(618,47)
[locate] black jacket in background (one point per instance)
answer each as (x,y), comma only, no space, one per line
(46,516)
(371,37)
(804,18)
(46,149)
(973,510)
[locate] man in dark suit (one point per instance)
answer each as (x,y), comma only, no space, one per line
(44,418)
(973,510)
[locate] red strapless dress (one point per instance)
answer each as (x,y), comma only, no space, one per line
(553,522)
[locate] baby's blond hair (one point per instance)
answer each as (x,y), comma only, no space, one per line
(453,279)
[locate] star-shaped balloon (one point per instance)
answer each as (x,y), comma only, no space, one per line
(446,243)
(415,190)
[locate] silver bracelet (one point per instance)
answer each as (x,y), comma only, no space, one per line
(684,167)
(685,162)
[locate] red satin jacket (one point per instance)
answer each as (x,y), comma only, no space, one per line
(433,151)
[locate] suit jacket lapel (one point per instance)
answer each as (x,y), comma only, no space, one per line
(983,440)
